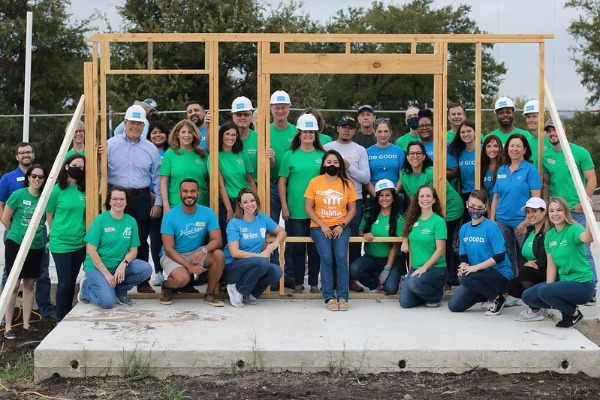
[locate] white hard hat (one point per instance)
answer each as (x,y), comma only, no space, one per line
(307,122)
(135,113)
(532,106)
(280,97)
(241,103)
(383,184)
(504,102)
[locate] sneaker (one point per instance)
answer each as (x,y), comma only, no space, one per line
(299,289)
(512,302)
(569,321)
(10,335)
(342,305)
(158,279)
(124,299)
(80,297)
(432,304)
(314,289)
(592,302)
(235,298)
(529,315)
(166,295)
(211,300)
(485,305)
(31,329)
(251,300)
(145,287)
(332,305)
(495,306)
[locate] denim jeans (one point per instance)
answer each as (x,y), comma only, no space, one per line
(355,248)
(561,295)
(477,287)
(297,252)
(327,248)
(155,242)
(580,217)
(43,285)
(96,288)
(67,268)
(427,288)
(251,275)
(275,213)
(367,268)
(513,244)
(223,219)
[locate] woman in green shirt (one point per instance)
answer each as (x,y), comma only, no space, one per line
(65,213)
(16,218)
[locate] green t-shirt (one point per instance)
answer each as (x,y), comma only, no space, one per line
(234,168)
(67,233)
(422,238)
(568,253)
(251,148)
(449,137)
(281,139)
(561,182)
(504,136)
(73,152)
(186,164)
(299,167)
(527,249)
(404,140)
(113,238)
(534,148)
(324,139)
(23,205)
(381,228)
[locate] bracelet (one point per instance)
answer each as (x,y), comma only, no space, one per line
(126,262)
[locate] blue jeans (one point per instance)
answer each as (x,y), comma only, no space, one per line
(297,253)
(355,248)
(251,275)
(43,284)
(427,288)
(513,244)
(155,242)
(580,217)
(367,268)
(223,218)
(67,268)
(327,248)
(477,287)
(561,295)
(96,288)
(275,213)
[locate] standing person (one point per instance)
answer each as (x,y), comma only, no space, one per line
(78,140)
(196,112)
(133,163)
(505,114)
(457,114)
(463,148)
(426,136)
(484,269)
(158,134)
(111,267)
(425,239)
(412,121)
(491,160)
(65,214)
(356,165)
(558,181)
(300,164)
(331,205)
(248,271)
(10,182)
(382,265)
(385,159)
(517,180)
(531,114)
(365,135)
(241,114)
(569,281)
(150,109)
(320,122)
(192,245)
(16,219)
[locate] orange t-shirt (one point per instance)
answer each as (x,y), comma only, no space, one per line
(331,199)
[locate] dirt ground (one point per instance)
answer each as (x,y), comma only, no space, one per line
(17,355)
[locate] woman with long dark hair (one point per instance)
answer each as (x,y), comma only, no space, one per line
(491,160)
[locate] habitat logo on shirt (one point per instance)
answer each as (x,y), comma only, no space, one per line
(127,232)
(331,197)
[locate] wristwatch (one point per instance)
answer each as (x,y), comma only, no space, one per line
(203,249)
(343,225)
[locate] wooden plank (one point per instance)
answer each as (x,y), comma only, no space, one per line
(104,66)
(541,132)
(262,173)
(91,151)
(478,94)
(439,159)
(212,56)
(157,72)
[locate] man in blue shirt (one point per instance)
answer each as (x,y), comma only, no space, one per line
(10,182)
(183,229)
(133,163)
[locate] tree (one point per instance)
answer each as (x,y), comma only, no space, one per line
(584,129)
(586,50)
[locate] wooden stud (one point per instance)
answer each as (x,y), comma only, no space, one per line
(478,134)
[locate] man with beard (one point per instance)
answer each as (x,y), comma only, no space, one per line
(505,113)
(558,181)
(9,183)
(196,112)
(183,229)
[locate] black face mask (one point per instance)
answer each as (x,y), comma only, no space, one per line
(75,173)
(332,170)
(412,122)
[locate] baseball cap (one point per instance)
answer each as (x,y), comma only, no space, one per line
(280,97)
(534,202)
(241,103)
(504,102)
(135,113)
(383,184)
(346,120)
(532,106)
(307,122)
(366,107)
(549,124)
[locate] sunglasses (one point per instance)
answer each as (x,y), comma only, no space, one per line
(36,176)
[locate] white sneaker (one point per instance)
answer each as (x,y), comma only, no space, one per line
(512,302)
(158,279)
(80,297)
(235,298)
(529,315)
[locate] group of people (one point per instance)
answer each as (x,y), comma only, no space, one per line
(361,184)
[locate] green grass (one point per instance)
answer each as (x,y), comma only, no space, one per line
(19,371)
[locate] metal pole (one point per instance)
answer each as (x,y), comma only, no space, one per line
(27,96)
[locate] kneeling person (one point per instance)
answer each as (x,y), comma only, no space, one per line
(183,229)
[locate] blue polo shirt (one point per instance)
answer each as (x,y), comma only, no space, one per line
(11,182)
(466,164)
(385,163)
(514,189)
(451,160)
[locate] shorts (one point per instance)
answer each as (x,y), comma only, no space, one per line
(31,266)
(168,265)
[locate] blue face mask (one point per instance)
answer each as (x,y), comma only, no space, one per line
(412,122)
(475,214)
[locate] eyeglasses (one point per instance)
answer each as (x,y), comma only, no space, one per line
(117,199)
(242,115)
(475,208)
(425,126)
(22,153)
(415,153)
(36,176)
(382,120)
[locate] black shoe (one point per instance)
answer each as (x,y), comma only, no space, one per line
(495,306)
(569,321)
(189,288)
(291,284)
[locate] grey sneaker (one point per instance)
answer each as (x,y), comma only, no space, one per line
(123,299)
(235,298)
(512,302)
(251,300)
(432,304)
(80,297)
(495,306)
(529,315)
(158,279)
